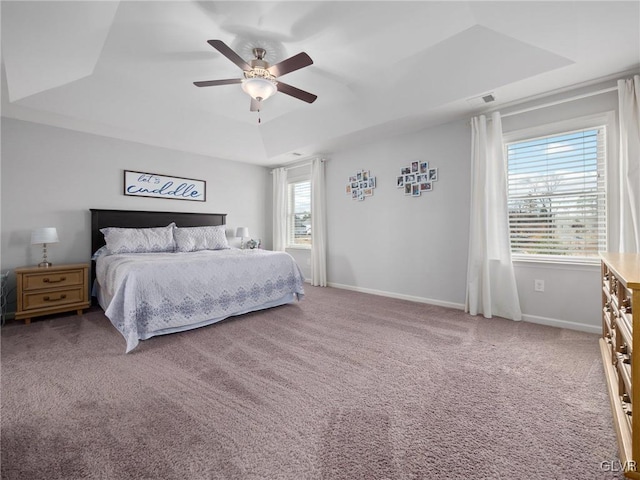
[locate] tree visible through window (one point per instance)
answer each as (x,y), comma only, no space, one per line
(299,221)
(557,194)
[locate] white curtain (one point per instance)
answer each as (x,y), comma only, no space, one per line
(279,209)
(491,282)
(629,185)
(318,224)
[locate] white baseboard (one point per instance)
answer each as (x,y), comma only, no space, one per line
(552,322)
(382,293)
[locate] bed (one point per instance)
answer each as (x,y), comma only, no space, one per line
(146,293)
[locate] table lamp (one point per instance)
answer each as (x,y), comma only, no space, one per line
(242,232)
(43,236)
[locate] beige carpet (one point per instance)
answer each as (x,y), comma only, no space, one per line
(341,386)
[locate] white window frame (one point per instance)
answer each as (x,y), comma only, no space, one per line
(606,119)
(290,214)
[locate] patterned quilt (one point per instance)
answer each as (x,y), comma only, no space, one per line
(148,294)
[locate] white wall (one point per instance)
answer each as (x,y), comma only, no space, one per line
(417,247)
(53,176)
(413,247)
(407,247)
(572,292)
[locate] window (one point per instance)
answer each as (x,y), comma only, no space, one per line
(299,214)
(556,190)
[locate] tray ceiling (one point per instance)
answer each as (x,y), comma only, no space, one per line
(125,69)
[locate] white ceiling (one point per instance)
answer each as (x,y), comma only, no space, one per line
(125,69)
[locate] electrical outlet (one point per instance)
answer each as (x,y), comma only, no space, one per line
(538,285)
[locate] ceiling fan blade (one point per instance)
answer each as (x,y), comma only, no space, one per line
(225,50)
(291,64)
(255,105)
(212,83)
(296,92)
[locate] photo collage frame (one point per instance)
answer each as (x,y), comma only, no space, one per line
(360,185)
(417,178)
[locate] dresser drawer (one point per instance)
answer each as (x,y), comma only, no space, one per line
(52,298)
(48,280)
(620,334)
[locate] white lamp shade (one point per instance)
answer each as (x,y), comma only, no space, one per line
(258,88)
(242,232)
(44,235)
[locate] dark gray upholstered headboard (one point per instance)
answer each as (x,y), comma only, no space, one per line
(145,219)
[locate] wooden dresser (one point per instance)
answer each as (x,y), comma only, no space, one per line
(56,289)
(620,333)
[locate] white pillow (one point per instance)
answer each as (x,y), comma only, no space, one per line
(139,240)
(193,239)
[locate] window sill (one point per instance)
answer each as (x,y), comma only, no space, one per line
(559,261)
(298,247)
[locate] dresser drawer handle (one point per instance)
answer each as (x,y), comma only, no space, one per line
(48,280)
(49,299)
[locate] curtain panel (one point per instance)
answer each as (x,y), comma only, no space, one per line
(491,283)
(629,166)
(279,209)
(318,224)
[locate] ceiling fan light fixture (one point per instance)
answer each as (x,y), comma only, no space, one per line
(260,77)
(259,88)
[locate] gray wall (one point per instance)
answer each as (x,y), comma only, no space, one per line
(410,247)
(53,176)
(572,295)
(417,248)
(389,244)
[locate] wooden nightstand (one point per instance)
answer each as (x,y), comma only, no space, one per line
(56,289)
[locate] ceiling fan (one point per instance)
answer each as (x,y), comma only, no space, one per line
(259,77)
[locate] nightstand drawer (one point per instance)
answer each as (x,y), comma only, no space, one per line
(48,280)
(52,298)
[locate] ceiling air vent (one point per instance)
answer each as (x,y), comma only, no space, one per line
(481,100)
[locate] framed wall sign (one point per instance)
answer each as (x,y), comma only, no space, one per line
(142,184)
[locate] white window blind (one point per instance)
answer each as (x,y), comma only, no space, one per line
(299,218)
(556,188)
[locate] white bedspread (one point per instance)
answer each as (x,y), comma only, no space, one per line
(148,294)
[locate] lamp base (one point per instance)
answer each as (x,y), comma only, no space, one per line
(45,264)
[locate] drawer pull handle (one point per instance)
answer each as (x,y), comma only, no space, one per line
(48,280)
(49,299)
